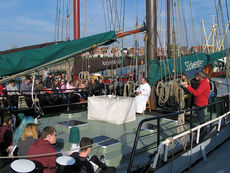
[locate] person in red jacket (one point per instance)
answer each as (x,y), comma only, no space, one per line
(43,146)
(201,95)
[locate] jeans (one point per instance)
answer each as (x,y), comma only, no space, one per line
(201,118)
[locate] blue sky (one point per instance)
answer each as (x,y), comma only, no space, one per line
(29,22)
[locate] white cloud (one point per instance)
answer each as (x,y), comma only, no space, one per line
(26,24)
(7,4)
(10,38)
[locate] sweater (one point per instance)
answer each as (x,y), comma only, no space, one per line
(201,93)
(42,146)
(23,146)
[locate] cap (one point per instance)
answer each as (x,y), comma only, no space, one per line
(203,75)
(65,160)
(28,165)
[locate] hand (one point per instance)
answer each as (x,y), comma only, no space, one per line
(185,84)
(138,92)
(9,148)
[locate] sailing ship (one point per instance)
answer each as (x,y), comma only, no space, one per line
(151,142)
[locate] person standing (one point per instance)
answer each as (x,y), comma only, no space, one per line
(44,146)
(12,95)
(201,96)
(45,74)
(142,95)
(194,85)
(26,89)
(49,81)
(213,90)
(187,95)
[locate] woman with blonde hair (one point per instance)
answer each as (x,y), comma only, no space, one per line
(28,137)
(26,120)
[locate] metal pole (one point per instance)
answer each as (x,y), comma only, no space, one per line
(158,132)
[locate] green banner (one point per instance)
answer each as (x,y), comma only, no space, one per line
(158,69)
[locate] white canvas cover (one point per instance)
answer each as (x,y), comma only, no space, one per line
(115,110)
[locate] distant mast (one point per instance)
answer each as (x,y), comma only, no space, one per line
(76,28)
(151,13)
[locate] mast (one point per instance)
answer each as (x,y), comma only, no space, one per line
(76,28)
(168,28)
(76,19)
(151,15)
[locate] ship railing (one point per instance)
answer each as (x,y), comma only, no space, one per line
(160,142)
(78,96)
(164,146)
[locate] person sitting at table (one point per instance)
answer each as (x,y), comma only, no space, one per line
(142,95)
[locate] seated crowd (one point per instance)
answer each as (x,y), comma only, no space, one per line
(28,143)
(54,90)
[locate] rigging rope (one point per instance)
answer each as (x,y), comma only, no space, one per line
(59,15)
(193,33)
(226,3)
(62,31)
(85,26)
(67,21)
(162,92)
(185,24)
(104,15)
(55,27)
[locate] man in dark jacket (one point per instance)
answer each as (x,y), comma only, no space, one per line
(43,146)
(85,165)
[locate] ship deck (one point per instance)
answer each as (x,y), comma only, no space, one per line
(115,141)
(217,161)
(118,149)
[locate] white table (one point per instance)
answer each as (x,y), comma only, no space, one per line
(116,110)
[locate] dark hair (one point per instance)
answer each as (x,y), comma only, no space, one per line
(11,81)
(28,78)
(86,143)
(144,78)
(6,117)
(183,74)
(203,75)
(48,130)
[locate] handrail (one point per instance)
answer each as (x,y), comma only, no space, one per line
(169,141)
(158,129)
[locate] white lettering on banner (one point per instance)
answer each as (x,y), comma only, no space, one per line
(193,65)
(112,62)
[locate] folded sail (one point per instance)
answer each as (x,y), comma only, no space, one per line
(17,62)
